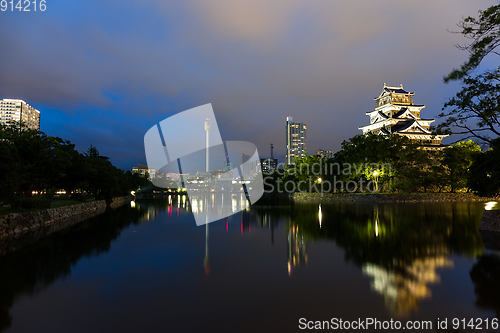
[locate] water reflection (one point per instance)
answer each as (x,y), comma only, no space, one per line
(36,266)
(403,291)
(399,248)
(297,247)
(485,275)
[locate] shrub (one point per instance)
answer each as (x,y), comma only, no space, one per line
(32,203)
(82,197)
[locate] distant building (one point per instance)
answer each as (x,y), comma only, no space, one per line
(145,171)
(16,110)
(324,153)
(268,165)
(395,113)
(295,140)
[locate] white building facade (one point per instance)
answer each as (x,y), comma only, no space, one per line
(17,110)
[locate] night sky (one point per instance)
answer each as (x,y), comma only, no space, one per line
(103,72)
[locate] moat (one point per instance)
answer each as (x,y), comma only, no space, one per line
(147,267)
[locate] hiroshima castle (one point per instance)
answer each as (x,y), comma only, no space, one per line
(395,113)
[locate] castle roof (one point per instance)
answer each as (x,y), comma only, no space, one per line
(396,90)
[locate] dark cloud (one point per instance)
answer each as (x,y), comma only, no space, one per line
(113,68)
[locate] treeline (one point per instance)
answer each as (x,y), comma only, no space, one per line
(369,163)
(33,162)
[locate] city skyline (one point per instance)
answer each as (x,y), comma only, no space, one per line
(103,77)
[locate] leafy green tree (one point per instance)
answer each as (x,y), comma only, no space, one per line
(484,32)
(475,110)
(9,171)
(393,162)
(33,161)
(484,175)
(457,160)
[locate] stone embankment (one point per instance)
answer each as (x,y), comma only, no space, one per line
(490,221)
(14,225)
(388,198)
(489,228)
(120,201)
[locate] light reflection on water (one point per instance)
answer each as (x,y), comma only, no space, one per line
(394,260)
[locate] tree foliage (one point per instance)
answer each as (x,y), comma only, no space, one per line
(485,171)
(484,33)
(35,162)
(393,160)
(475,109)
(457,160)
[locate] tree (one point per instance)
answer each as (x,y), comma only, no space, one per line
(485,171)
(457,160)
(475,110)
(33,161)
(485,35)
(391,160)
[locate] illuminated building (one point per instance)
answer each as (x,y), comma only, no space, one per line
(295,140)
(395,113)
(324,153)
(268,165)
(16,110)
(145,171)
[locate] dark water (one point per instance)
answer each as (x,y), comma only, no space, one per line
(150,269)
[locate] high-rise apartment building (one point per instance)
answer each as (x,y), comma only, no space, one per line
(295,140)
(324,153)
(16,110)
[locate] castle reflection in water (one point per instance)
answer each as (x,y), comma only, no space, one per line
(400,249)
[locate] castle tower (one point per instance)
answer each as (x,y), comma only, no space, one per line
(395,113)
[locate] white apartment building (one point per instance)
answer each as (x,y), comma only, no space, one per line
(16,110)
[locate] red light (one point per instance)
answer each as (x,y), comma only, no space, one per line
(227,226)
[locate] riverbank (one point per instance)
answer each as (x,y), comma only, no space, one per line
(17,224)
(388,198)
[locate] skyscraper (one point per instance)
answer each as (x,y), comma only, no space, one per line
(295,140)
(16,110)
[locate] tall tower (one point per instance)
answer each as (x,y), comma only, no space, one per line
(295,140)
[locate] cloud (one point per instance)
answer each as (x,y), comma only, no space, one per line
(131,64)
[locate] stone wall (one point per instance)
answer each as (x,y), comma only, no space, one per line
(17,223)
(120,201)
(490,221)
(389,198)
(13,225)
